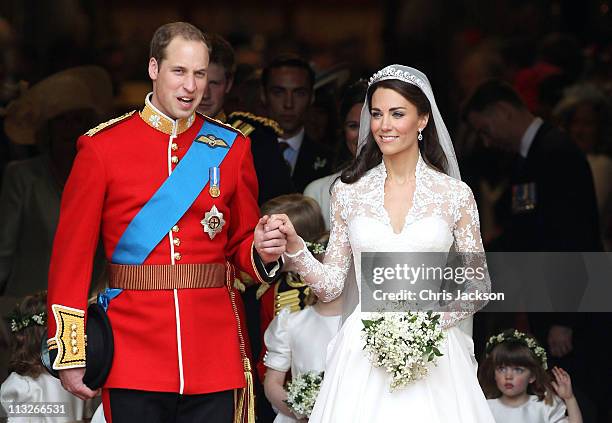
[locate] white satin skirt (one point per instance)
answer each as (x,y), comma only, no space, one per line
(355,391)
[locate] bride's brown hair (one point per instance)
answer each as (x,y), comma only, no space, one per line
(370,155)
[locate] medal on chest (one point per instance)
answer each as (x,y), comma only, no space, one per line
(214,177)
(213,222)
(524,197)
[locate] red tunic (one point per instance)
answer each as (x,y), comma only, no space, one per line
(185,340)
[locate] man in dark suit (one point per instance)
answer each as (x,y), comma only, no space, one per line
(552,204)
(272,174)
(287,93)
(550,207)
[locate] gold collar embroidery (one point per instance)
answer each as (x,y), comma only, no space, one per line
(156,119)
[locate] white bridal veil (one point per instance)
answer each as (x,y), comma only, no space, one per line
(412,76)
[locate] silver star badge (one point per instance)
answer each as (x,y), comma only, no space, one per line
(213,222)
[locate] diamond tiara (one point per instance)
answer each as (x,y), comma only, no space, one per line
(393,73)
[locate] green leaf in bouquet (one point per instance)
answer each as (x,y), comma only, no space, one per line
(368,323)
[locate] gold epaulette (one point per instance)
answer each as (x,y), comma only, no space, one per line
(243,127)
(272,124)
(69,337)
(108,124)
(290,298)
(220,123)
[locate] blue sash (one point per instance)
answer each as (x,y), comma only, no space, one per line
(175,196)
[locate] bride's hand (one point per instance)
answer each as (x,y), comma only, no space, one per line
(294,242)
(269,242)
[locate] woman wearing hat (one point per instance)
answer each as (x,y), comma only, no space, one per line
(51,115)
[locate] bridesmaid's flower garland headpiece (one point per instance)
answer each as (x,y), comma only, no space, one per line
(513,335)
(390,72)
(19,321)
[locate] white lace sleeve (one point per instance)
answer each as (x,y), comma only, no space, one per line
(470,254)
(327,279)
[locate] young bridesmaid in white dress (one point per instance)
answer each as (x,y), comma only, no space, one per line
(514,378)
(297,342)
(29,384)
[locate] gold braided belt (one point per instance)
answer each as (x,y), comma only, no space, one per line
(163,276)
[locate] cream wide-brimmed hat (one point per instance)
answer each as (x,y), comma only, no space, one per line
(83,87)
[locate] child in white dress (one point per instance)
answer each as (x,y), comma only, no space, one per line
(514,379)
(29,383)
(297,342)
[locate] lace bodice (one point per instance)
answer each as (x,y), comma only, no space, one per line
(443,213)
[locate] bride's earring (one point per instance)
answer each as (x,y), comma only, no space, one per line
(420,137)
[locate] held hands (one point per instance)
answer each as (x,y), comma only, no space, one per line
(269,241)
(72,381)
(284,225)
(275,235)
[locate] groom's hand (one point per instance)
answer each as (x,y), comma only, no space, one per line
(72,381)
(294,242)
(269,241)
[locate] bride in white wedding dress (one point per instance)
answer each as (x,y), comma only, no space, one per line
(403,193)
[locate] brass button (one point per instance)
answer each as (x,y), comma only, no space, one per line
(177,256)
(176,242)
(175,228)
(278,297)
(174,146)
(74,342)
(73,326)
(174,159)
(277,305)
(75,350)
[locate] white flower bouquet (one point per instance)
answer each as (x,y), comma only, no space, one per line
(302,392)
(404,344)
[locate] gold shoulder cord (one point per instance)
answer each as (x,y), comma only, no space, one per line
(108,123)
(244,399)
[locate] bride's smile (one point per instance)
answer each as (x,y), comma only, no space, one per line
(395,122)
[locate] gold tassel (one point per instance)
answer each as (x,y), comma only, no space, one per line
(244,397)
(239,405)
(248,392)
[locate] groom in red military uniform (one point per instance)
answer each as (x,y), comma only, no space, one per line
(174,196)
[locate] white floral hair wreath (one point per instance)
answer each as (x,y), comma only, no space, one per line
(19,322)
(513,335)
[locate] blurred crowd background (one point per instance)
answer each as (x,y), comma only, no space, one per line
(556,54)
